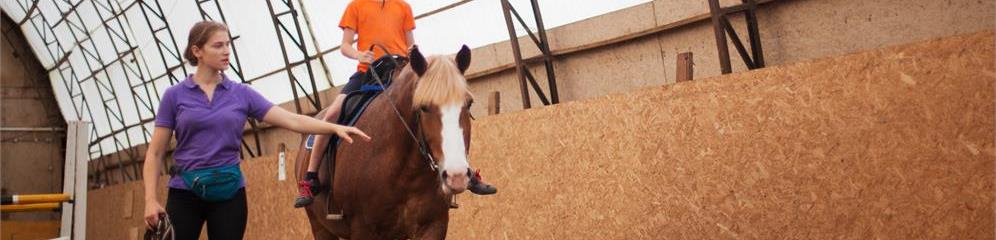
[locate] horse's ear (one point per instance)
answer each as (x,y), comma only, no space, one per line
(417,61)
(463,58)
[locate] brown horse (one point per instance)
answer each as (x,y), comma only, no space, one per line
(387,188)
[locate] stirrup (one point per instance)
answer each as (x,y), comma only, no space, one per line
(453,203)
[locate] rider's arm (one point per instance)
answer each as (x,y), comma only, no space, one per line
(347,48)
(410,39)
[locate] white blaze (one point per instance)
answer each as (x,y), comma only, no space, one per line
(454,151)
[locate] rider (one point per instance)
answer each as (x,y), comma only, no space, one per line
(386,22)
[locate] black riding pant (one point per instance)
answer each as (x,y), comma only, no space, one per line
(225,220)
(355,83)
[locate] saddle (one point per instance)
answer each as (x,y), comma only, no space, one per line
(357,101)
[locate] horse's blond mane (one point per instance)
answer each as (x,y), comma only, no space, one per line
(441,84)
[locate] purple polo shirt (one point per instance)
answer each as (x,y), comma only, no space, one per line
(208,134)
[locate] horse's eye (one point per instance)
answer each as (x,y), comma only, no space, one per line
(423,109)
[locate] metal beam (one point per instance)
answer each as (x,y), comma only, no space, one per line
(298,39)
(59,55)
(521,66)
(722,27)
(111,93)
(166,52)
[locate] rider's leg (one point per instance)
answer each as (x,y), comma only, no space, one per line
(323,140)
(306,186)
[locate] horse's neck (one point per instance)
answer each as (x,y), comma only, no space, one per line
(406,167)
(401,94)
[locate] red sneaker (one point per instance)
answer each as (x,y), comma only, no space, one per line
(304,196)
(479,187)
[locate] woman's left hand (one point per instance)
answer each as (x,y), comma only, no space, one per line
(345,132)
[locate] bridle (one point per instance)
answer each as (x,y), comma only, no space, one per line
(423,146)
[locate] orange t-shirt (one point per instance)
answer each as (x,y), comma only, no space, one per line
(382,22)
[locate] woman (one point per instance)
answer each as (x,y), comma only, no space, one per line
(207,112)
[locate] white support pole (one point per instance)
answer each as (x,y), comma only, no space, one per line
(75,181)
(82,185)
(69,180)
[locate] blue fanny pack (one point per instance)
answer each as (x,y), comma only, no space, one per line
(214,184)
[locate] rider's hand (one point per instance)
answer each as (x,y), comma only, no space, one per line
(365,57)
(152,211)
(345,132)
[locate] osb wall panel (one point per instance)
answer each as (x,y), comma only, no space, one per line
(271,202)
(805,29)
(632,67)
(115,212)
(791,31)
(29,230)
(668,11)
(892,144)
(887,144)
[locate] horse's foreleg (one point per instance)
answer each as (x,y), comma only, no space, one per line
(433,231)
(317,230)
(322,234)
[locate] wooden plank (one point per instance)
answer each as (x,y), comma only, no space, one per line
(128,205)
(494,103)
(685,70)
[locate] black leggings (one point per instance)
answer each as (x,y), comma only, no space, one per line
(355,83)
(225,220)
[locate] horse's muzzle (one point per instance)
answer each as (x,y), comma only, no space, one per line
(456,182)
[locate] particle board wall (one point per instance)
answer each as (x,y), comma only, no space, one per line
(887,144)
(271,208)
(115,212)
(29,229)
(894,143)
